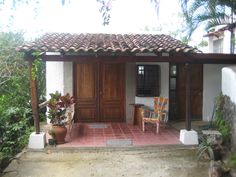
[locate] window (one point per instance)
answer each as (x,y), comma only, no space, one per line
(148,80)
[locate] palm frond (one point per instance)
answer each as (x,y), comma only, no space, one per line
(207,12)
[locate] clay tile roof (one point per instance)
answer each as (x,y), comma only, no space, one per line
(127,43)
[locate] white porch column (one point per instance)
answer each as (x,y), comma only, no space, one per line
(229,82)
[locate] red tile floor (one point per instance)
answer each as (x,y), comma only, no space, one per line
(118,134)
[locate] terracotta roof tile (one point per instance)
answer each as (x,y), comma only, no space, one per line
(128,43)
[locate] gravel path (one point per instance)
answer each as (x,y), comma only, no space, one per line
(159,161)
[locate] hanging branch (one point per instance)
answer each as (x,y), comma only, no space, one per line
(105,10)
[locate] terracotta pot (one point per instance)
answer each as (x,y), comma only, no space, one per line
(59,134)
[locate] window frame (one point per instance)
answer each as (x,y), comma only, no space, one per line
(148,78)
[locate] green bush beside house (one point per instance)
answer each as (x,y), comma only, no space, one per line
(15,109)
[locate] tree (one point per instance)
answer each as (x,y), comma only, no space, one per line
(105,8)
(14,98)
(209,13)
(11,64)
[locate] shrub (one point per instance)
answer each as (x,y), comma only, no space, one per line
(220,123)
(15,107)
(15,130)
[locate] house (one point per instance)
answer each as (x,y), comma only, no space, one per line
(219,38)
(108,72)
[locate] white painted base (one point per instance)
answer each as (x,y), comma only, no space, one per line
(37,141)
(188,137)
(48,121)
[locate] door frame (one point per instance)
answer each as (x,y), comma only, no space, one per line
(175,102)
(99,62)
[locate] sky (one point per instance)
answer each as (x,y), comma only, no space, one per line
(83,16)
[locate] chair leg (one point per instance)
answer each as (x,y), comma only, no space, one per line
(143,126)
(70,127)
(158,127)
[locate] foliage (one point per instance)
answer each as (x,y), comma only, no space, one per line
(105,10)
(232,160)
(10,61)
(205,148)
(57,107)
(220,123)
(38,72)
(14,127)
(15,107)
(210,13)
(36,65)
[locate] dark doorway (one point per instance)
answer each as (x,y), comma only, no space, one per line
(178,91)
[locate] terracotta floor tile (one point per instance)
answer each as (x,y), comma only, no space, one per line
(85,135)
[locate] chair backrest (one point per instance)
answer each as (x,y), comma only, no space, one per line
(160,104)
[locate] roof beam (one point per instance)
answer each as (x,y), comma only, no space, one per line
(198,58)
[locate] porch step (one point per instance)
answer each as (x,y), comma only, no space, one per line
(119,142)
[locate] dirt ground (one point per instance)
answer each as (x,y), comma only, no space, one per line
(157,161)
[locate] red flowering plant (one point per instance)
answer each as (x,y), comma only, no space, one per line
(57,107)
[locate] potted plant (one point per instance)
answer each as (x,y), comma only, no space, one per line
(57,106)
(210,149)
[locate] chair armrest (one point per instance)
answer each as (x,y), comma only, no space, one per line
(43,104)
(147,112)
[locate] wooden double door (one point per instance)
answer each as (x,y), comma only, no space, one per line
(100,91)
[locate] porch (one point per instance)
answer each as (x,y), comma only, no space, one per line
(100,70)
(118,135)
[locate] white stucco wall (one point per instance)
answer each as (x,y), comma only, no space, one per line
(226,42)
(130,90)
(54,77)
(210,44)
(211,88)
(148,101)
(229,82)
(68,77)
(59,77)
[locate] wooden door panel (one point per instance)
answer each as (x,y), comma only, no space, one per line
(181,92)
(86,92)
(86,81)
(87,114)
(196,91)
(111,114)
(100,92)
(112,92)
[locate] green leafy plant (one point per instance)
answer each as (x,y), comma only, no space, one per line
(57,107)
(15,130)
(220,123)
(205,149)
(36,65)
(15,105)
(232,161)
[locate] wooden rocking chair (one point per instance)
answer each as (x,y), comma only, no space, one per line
(159,115)
(70,111)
